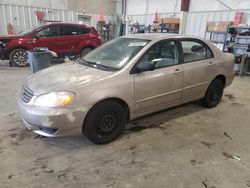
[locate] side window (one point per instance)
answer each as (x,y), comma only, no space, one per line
(69,30)
(195,51)
(51,31)
(163,54)
(84,31)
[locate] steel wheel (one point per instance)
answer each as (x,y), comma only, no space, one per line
(213,94)
(107,123)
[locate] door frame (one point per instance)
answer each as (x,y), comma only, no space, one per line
(192,40)
(134,71)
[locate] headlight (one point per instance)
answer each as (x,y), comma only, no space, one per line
(54,99)
(2,43)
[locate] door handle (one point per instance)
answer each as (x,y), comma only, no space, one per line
(211,63)
(177,71)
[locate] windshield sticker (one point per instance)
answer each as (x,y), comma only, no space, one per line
(137,44)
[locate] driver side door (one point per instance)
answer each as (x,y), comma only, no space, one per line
(48,37)
(162,87)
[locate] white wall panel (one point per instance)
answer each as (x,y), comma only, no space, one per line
(162,6)
(208,5)
(54,4)
(24,17)
(197,21)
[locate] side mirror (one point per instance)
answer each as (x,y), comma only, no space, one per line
(141,67)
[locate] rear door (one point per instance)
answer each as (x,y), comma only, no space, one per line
(198,67)
(69,39)
(162,87)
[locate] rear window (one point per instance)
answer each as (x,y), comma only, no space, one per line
(69,30)
(83,31)
(195,51)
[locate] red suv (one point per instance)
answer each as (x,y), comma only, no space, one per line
(62,38)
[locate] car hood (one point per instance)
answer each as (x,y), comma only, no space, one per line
(65,77)
(7,38)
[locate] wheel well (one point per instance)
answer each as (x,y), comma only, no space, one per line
(118,100)
(222,78)
(92,47)
(15,48)
(18,47)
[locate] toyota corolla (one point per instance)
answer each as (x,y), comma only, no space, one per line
(122,80)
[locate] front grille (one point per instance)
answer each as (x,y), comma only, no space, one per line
(26,94)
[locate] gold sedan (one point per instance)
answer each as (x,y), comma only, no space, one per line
(122,80)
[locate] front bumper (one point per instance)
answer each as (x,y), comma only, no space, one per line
(52,122)
(3,53)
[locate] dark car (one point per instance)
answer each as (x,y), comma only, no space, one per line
(62,38)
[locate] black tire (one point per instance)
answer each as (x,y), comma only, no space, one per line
(105,122)
(213,94)
(85,51)
(18,57)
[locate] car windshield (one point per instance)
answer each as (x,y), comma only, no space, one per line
(27,31)
(115,54)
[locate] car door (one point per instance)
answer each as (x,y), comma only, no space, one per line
(69,39)
(47,37)
(198,67)
(162,87)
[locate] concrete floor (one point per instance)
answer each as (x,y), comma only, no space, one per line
(186,147)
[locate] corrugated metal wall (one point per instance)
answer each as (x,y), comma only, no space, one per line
(197,21)
(24,17)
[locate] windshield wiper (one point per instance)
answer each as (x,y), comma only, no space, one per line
(96,65)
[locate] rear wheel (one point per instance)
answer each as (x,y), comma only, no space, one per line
(85,51)
(18,57)
(213,94)
(105,122)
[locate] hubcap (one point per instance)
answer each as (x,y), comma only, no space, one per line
(20,58)
(107,123)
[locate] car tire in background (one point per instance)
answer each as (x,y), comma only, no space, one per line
(18,57)
(105,122)
(85,51)
(213,94)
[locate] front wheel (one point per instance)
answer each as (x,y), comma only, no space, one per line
(18,57)
(213,94)
(105,122)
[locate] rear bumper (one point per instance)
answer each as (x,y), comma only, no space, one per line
(229,79)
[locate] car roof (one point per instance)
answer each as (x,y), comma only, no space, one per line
(159,36)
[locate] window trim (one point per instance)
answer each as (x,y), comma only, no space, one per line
(198,41)
(83,27)
(71,35)
(47,27)
(134,70)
